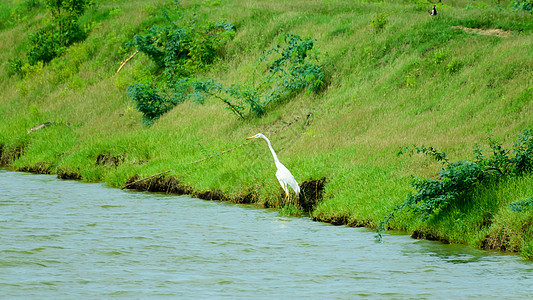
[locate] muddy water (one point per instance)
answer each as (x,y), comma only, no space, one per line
(65,239)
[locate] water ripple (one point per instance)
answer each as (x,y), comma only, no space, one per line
(65,238)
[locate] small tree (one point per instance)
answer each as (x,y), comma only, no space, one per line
(64,30)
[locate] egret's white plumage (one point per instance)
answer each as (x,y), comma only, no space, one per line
(283,174)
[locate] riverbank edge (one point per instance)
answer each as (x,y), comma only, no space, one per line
(312,192)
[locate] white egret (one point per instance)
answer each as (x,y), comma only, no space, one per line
(283,174)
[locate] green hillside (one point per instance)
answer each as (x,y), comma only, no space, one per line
(361,81)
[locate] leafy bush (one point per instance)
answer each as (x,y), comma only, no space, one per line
(380,21)
(522,205)
(52,40)
(294,69)
(149,102)
(439,56)
(457,179)
(180,50)
(183,50)
(525,5)
(453,66)
(14,66)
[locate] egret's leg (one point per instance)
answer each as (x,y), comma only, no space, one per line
(286,196)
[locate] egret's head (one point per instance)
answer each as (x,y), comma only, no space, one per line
(257,136)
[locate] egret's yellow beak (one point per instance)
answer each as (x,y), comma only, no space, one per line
(252,137)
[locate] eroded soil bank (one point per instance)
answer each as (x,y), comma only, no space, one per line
(312,193)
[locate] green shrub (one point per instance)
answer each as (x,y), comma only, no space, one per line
(522,205)
(380,21)
(457,179)
(181,51)
(15,66)
(295,68)
(525,5)
(64,30)
(453,66)
(439,57)
(149,102)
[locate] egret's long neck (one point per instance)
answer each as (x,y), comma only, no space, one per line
(276,160)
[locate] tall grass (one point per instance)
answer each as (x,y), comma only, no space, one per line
(417,81)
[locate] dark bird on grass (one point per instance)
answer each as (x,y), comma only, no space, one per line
(283,174)
(433,12)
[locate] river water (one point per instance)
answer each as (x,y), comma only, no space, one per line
(66,239)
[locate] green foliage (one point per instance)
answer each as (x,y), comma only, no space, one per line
(292,210)
(14,66)
(149,102)
(52,40)
(453,66)
(458,179)
(439,56)
(181,51)
(427,150)
(237,98)
(522,205)
(294,68)
(380,21)
(524,5)
(514,162)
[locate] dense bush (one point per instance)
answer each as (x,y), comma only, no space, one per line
(458,179)
(526,5)
(181,50)
(380,21)
(64,30)
(149,102)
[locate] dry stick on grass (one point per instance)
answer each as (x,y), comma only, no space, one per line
(41,126)
(132,183)
(307,121)
(124,62)
(231,149)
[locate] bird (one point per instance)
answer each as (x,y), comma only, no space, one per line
(283,174)
(433,12)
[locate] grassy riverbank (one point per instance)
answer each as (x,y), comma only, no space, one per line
(396,77)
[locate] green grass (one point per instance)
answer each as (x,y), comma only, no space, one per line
(416,81)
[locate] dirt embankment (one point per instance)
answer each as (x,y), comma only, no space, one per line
(7,155)
(312,191)
(311,194)
(490,31)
